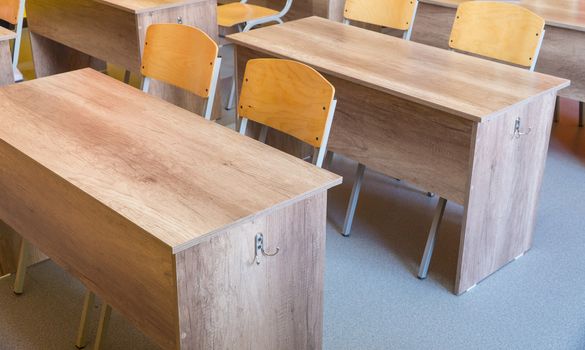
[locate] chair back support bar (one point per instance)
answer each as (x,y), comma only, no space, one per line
(182,56)
(287,96)
(397,14)
(498,30)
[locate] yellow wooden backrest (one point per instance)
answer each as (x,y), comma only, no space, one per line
(180,55)
(498,30)
(288,96)
(9,10)
(395,14)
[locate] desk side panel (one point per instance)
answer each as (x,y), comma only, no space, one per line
(229,302)
(120,262)
(95,29)
(500,212)
(6,74)
(10,248)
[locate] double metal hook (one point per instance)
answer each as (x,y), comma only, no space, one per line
(259,248)
(517,132)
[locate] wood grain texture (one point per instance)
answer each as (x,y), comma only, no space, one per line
(409,70)
(287,96)
(85,31)
(112,183)
(180,55)
(476,163)
(167,179)
(9,10)
(503,31)
(123,264)
(9,250)
(395,14)
(561,53)
(51,57)
(506,175)
(6,74)
(275,305)
(142,6)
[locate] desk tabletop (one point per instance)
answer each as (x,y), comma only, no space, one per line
(568,14)
(6,34)
(140,6)
(459,84)
(169,171)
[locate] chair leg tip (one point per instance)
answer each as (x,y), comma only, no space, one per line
(17,293)
(421,277)
(80,347)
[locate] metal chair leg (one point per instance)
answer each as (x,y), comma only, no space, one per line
(328,160)
(105,314)
(557,110)
(232,97)
(126,77)
(581,113)
(88,303)
(426,258)
(21,267)
(353,199)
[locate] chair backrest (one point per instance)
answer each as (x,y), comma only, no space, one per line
(182,56)
(9,11)
(288,96)
(396,14)
(498,30)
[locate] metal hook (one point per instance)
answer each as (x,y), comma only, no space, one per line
(517,132)
(259,248)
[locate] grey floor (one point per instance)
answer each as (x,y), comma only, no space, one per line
(372,298)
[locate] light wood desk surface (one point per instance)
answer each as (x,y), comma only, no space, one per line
(438,119)
(568,14)
(437,78)
(140,6)
(156,209)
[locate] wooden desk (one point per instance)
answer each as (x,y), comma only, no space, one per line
(156,210)
(72,34)
(439,119)
(6,74)
(563,47)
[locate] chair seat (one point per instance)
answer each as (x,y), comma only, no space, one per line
(235,13)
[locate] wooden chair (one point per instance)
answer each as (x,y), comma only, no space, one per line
(395,14)
(496,30)
(12,11)
(183,56)
(290,97)
(243,17)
